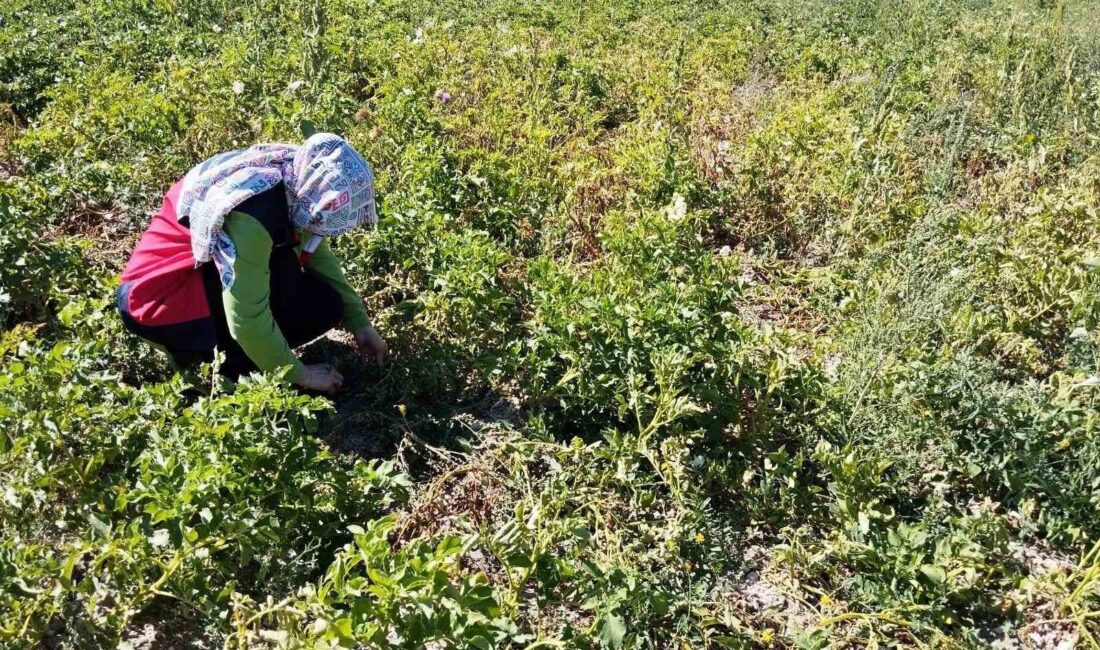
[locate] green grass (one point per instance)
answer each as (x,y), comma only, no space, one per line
(713,325)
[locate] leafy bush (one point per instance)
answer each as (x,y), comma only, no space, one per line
(141,495)
(375,596)
(719,325)
(35,272)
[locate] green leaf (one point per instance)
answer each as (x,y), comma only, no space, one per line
(519,560)
(342,626)
(660,604)
(379,578)
(612,631)
(98,524)
(812,640)
(935,573)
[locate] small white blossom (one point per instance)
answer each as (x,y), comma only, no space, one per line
(677,210)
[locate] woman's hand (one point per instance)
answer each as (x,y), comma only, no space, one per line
(321,378)
(371,346)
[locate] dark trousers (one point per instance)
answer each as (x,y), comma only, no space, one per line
(303,304)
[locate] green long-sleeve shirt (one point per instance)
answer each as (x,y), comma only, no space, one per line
(247,302)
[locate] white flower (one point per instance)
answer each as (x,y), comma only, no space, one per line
(677,210)
(1094,380)
(725,251)
(159,538)
(238,87)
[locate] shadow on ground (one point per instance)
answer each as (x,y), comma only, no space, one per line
(376,415)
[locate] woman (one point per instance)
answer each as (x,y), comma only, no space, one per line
(237,260)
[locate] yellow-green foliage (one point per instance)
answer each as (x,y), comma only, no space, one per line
(722,324)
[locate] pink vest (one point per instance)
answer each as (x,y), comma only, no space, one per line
(165,286)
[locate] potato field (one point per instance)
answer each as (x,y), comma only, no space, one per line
(717,324)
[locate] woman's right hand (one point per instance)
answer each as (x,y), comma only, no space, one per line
(321,378)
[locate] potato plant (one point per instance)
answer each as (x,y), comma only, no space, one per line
(720,325)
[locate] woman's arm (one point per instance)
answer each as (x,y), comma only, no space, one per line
(371,346)
(247,302)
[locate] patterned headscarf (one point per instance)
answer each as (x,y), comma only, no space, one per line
(329,191)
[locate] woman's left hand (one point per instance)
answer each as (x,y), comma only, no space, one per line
(371,345)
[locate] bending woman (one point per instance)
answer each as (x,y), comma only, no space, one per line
(236,259)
